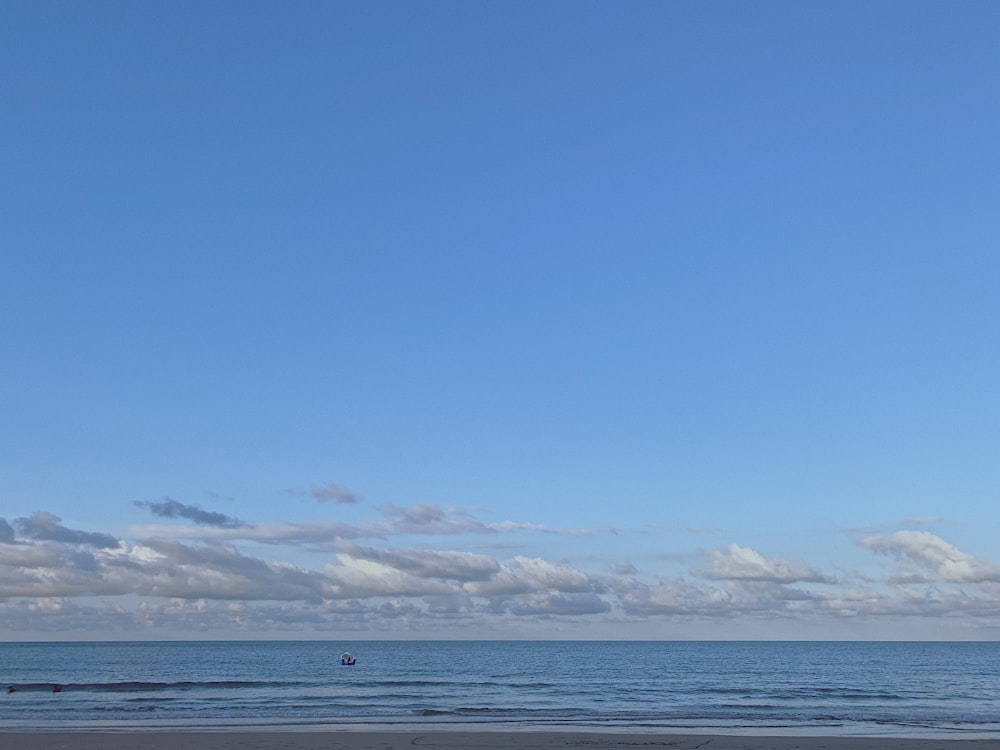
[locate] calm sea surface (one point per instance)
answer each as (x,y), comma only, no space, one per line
(840,688)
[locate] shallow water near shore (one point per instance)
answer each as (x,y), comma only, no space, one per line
(847,688)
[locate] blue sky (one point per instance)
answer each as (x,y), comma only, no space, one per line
(652,320)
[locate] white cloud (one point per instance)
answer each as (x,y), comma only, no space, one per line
(419,519)
(665,598)
(193,579)
(745,564)
(318,534)
(524,575)
(458,566)
(45,526)
(556,604)
(422,518)
(931,553)
(359,577)
(513,526)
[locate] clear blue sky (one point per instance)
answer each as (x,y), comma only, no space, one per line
(462,319)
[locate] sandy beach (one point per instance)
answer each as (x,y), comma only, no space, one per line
(460,740)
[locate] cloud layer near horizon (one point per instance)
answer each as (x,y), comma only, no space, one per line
(209,576)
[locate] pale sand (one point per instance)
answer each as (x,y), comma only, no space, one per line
(459,740)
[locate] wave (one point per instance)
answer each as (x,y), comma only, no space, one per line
(882,689)
(136,686)
(687,721)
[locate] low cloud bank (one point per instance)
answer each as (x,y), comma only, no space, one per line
(201,577)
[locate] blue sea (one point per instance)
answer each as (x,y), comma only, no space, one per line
(873,688)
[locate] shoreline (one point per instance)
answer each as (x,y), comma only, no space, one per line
(461,739)
(866,732)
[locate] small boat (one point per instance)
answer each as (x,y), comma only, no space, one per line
(347,660)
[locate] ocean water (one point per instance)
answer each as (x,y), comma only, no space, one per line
(919,689)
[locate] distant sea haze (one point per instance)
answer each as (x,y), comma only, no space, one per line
(868,688)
